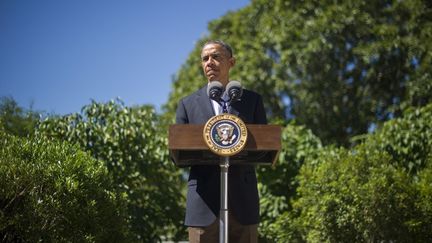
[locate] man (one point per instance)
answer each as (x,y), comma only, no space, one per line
(203,196)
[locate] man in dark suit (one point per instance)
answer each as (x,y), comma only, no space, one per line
(203,196)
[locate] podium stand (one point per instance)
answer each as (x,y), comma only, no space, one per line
(187,147)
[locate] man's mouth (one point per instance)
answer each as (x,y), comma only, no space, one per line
(211,72)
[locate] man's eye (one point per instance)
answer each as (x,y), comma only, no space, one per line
(204,59)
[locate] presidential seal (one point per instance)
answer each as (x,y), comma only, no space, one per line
(225,134)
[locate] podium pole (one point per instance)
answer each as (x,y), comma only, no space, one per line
(223,213)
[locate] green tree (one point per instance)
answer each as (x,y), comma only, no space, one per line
(51,191)
(337,67)
(15,119)
(133,145)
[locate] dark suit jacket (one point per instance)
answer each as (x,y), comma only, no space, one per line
(203,196)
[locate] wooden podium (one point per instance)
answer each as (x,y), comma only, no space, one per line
(187,147)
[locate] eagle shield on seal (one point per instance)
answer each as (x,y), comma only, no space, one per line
(225,133)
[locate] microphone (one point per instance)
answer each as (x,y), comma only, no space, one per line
(234,90)
(215,90)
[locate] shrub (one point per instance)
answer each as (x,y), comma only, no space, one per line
(278,184)
(53,192)
(132,144)
(378,191)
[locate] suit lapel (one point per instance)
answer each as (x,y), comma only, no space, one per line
(203,101)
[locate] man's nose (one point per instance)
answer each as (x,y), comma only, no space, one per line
(210,61)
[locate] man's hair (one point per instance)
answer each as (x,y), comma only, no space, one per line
(221,43)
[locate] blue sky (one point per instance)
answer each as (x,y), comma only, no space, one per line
(60,54)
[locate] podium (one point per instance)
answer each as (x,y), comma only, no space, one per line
(187,147)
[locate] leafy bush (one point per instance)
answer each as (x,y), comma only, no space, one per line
(53,192)
(378,191)
(408,140)
(133,145)
(278,184)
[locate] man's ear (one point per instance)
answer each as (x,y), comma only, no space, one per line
(232,61)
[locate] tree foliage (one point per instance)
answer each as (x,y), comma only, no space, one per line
(15,119)
(338,67)
(51,191)
(133,145)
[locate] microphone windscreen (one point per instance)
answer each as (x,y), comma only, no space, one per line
(214,90)
(234,89)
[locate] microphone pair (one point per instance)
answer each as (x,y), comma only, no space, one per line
(233,90)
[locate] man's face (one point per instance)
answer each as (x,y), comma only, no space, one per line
(216,63)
